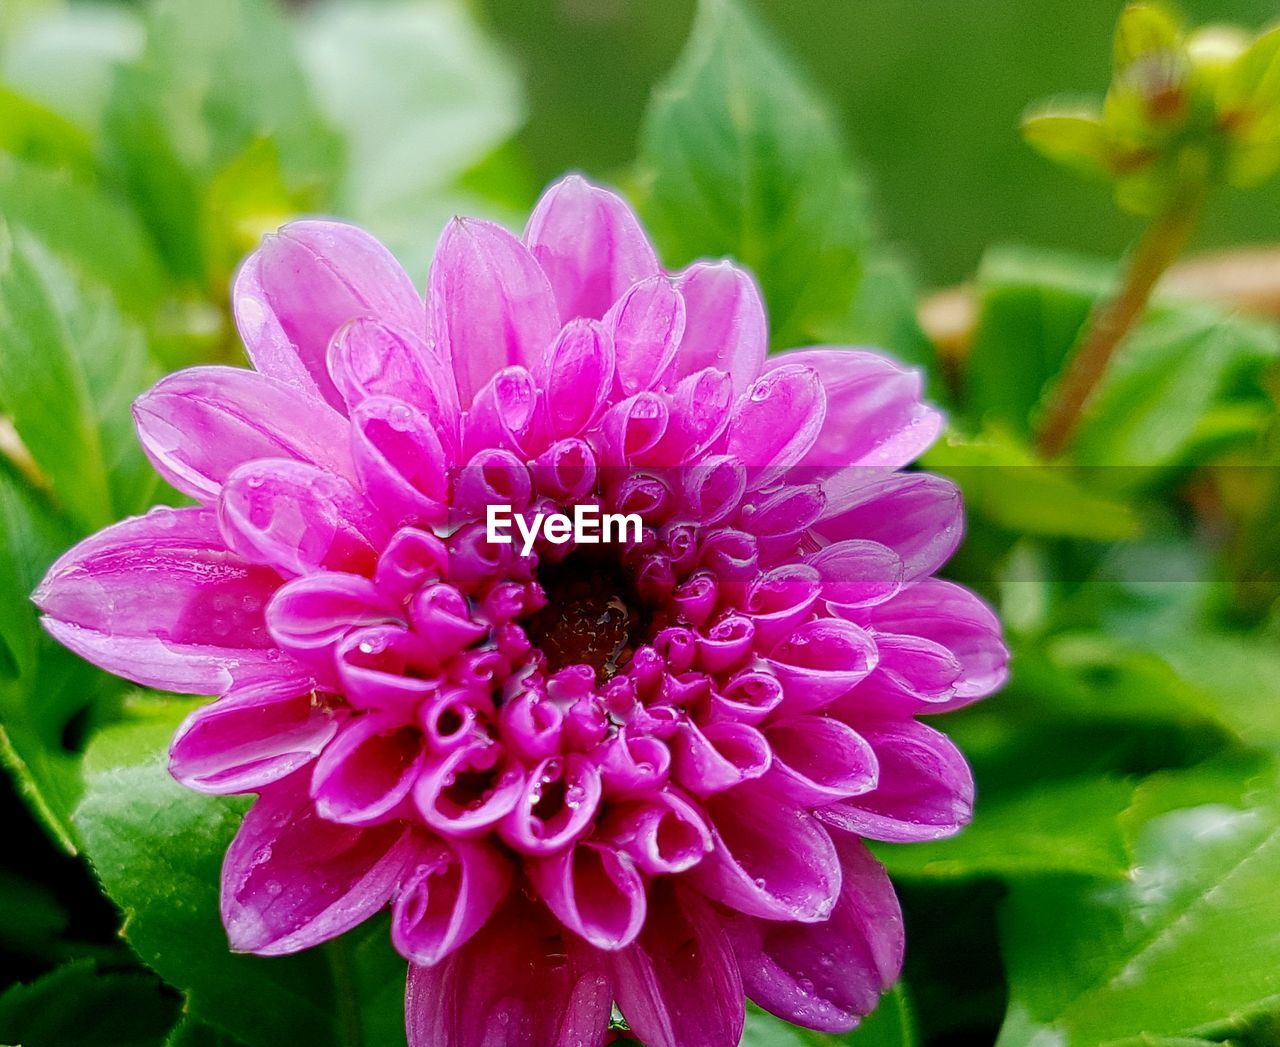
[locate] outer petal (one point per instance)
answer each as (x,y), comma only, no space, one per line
(522,981)
(750,872)
(925,789)
(826,976)
(490,304)
(678,985)
(776,421)
(303,284)
(291,880)
(250,738)
(647,325)
(918,515)
(725,325)
(590,245)
(875,416)
(365,773)
(199,424)
(159,600)
(595,891)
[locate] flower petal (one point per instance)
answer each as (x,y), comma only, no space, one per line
(367,770)
(590,245)
(291,880)
(304,283)
(251,738)
(875,416)
(522,981)
(595,891)
(827,976)
(197,425)
(647,325)
(925,790)
(776,421)
(490,304)
(725,325)
(678,985)
(159,600)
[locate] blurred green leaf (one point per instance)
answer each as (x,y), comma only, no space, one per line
(1073,138)
(79,1004)
(1006,483)
(70,365)
(1189,943)
(32,132)
(421,96)
(88,228)
(883,315)
(1069,827)
(214,77)
(157,848)
(740,158)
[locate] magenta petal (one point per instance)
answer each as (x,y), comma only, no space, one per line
(303,284)
(309,616)
(403,467)
(595,891)
(576,377)
(159,600)
(718,756)
(366,772)
(447,894)
(818,760)
(917,515)
(925,790)
(957,620)
(725,325)
(857,572)
(251,738)
(297,519)
(197,425)
(291,880)
(822,660)
(750,872)
(827,976)
(678,985)
(557,806)
(590,245)
(663,833)
(776,421)
(647,325)
(875,416)
(490,304)
(522,981)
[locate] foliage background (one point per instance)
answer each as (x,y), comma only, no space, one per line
(1118,885)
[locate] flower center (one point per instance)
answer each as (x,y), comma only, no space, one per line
(592,617)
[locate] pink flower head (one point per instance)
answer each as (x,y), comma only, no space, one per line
(635,773)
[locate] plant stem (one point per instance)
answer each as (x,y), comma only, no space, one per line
(1160,244)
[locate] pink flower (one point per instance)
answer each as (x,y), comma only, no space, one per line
(632,773)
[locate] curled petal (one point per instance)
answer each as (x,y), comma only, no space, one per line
(818,760)
(776,421)
(502,413)
(914,675)
(521,981)
(291,880)
(678,985)
(365,773)
(448,892)
(828,975)
(725,325)
(875,416)
(590,245)
(781,599)
(159,600)
(197,425)
(298,519)
(382,667)
(303,284)
(490,303)
(595,891)
(557,806)
(822,660)
(857,572)
(251,738)
(468,790)
(411,557)
(402,464)
(576,377)
(701,408)
(663,833)
(918,515)
(718,756)
(750,872)
(647,324)
(925,788)
(310,615)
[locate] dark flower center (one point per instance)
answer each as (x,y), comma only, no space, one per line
(592,617)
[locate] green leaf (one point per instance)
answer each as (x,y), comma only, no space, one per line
(1069,827)
(88,228)
(213,78)
(889,1025)
(421,96)
(1074,139)
(158,848)
(70,365)
(79,1004)
(1190,943)
(741,159)
(1006,483)
(34,133)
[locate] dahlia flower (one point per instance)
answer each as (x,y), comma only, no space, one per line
(635,774)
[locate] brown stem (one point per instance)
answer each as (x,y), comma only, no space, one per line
(1163,240)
